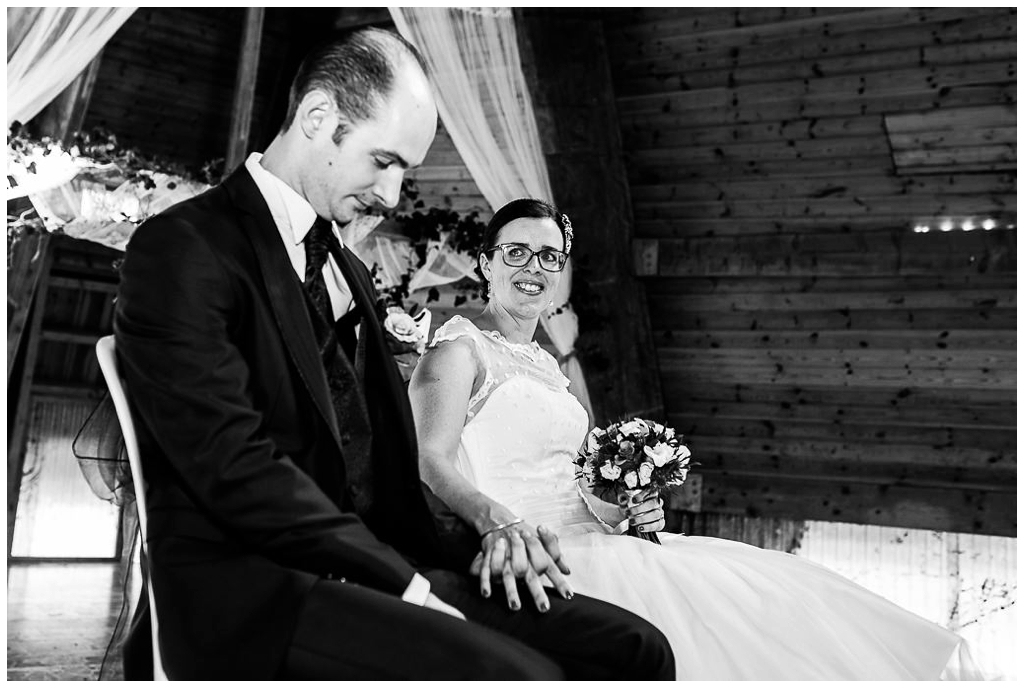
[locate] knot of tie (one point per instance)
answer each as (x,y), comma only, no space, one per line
(319,241)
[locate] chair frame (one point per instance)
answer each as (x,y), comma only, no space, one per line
(107,357)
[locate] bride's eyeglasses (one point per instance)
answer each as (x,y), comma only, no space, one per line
(517,255)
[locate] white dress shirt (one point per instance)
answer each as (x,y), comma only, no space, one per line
(294,217)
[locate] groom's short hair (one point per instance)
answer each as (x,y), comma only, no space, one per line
(357,71)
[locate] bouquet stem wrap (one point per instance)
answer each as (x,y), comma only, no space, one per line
(650,537)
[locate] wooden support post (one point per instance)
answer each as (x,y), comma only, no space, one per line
(245,88)
(579,131)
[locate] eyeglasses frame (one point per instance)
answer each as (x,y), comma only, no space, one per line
(504,259)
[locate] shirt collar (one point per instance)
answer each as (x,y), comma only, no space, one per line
(284,201)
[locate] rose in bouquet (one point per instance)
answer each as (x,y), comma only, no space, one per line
(632,457)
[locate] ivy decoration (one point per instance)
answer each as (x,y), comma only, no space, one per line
(101,148)
(462,233)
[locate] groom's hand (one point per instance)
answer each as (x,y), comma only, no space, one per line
(522,554)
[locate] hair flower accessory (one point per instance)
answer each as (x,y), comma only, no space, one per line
(567,231)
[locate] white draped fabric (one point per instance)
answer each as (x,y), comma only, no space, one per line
(482,95)
(483,100)
(393,255)
(47,47)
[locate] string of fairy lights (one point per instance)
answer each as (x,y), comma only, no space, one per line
(968,224)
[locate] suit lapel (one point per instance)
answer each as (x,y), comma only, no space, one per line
(373,354)
(284,290)
(362,293)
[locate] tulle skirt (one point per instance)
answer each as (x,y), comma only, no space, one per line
(736,612)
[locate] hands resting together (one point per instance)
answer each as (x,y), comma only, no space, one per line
(521,551)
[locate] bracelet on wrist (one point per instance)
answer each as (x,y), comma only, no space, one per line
(501,527)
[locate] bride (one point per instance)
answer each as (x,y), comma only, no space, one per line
(498,431)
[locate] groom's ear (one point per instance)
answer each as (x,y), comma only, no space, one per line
(315,111)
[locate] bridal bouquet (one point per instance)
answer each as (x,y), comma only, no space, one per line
(633,456)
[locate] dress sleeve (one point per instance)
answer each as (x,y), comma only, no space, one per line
(459,327)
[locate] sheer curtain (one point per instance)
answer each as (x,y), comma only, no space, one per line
(393,255)
(485,105)
(47,47)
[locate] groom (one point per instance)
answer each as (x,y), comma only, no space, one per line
(289,534)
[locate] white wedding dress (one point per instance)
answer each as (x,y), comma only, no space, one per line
(731,611)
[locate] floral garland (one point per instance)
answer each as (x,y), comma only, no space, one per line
(97,189)
(91,188)
(99,148)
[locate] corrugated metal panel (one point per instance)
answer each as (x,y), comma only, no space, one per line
(967,583)
(58,515)
(768,533)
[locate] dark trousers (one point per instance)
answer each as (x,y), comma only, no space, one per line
(351,632)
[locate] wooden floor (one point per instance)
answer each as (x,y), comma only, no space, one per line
(60,620)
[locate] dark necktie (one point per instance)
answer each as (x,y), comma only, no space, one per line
(331,339)
(318,245)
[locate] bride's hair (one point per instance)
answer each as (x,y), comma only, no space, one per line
(514,210)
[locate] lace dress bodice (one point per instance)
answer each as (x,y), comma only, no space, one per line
(522,430)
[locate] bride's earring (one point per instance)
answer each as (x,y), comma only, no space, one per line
(490,289)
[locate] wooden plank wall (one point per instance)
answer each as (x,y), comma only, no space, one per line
(167,79)
(826,361)
(444,181)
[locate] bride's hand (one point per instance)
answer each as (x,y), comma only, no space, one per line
(646,512)
(522,553)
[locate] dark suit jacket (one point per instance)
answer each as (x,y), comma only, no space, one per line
(251,486)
